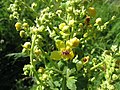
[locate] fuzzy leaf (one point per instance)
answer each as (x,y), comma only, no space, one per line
(71,83)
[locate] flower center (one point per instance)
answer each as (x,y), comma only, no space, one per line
(85,60)
(65,52)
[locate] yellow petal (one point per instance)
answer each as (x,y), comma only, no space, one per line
(55,55)
(60,44)
(67,53)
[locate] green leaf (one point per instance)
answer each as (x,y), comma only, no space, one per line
(70,71)
(60,64)
(71,83)
(57,83)
(16,55)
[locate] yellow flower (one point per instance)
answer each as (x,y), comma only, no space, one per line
(64,53)
(67,53)
(56,55)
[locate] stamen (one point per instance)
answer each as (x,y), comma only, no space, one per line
(65,52)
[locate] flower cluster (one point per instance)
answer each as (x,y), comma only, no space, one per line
(65,46)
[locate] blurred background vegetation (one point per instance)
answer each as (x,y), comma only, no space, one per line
(12,62)
(10,44)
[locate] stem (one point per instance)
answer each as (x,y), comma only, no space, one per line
(31,58)
(32,47)
(96,66)
(72,32)
(36,76)
(64,84)
(60,72)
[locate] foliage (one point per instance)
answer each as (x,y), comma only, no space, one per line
(69,42)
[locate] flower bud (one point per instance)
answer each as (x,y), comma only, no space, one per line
(111,87)
(41,70)
(35,30)
(69,9)
(98,21)
(114,77)
(113,17)
(44,77)
(26,45)
(18,26)
(74,42)
(81,25)
(111,70)
(22,34)
(79,65)
(37,52)
(71,23)
(61,26)
(85,35)
(25,25)
(65,28)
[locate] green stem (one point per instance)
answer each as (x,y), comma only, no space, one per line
(31,58)
(60,72)
(32,47)
(96,66)
(64,84)
(36,76)
(72,32)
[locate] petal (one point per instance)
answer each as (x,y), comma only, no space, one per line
(55,55)
(60,44)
